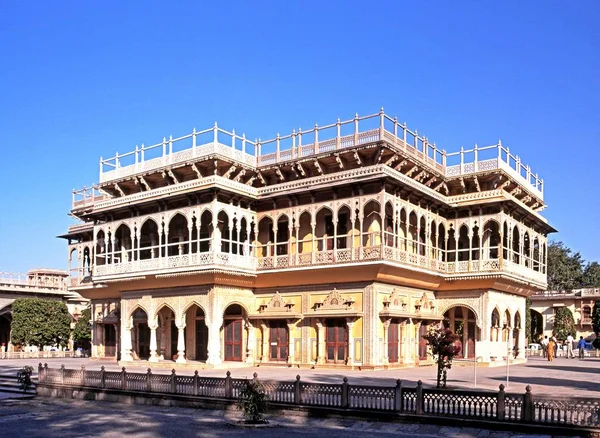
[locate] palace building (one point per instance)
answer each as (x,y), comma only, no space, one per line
(336,246)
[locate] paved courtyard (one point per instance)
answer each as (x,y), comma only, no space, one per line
(564,377)
(61,418)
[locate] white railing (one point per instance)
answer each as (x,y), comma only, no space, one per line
(178,263)
(325,257)
(32,280)
(298,144)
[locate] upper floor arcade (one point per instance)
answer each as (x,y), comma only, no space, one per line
(371,228)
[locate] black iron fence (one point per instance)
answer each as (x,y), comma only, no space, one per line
(480,405)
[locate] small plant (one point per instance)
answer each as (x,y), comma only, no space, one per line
(253,401)
(443,348)
(24,378)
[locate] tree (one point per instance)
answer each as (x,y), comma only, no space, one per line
(83,327)
(563,323)
(565,268)
(596,318)
(443,347)
(40,322)
(591,275)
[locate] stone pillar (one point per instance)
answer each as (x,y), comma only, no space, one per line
(126,340)
(417,327)
(320,342)
(350,324)
(291,326)
(265,341)
(181,343)
(153,344)
(214,341)
(407,329)
(250,342)
(386,327)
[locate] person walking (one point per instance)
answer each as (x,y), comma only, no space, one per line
(3,351)
(570,341)
(551,347)
(581,348)
(545,347)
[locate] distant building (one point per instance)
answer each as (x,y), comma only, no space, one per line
(579,301)
(336,246)
(37,283)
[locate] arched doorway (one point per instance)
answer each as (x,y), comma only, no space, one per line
(5,322)
(462,321)
(233,333)
(141,334)
(537,325)
(196,318)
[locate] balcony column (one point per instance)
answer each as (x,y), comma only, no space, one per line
(335,227)
(521,340)
(238,240)
(401,341)
(131,253)
(190,237)
(138,239)
(509,241)
(521,248)
(216,237)
(274,253)
(248,242)
(350,324)
(386,327)
(106,257)
(408,330)
(352,236)
(470,235)
(153,344)
(360,234)
(417,328)
(320,342)
(198,225)
(297,253)
(313,226)
(181,342)
(166,244)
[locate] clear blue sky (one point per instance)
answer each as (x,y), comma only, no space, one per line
(83,79)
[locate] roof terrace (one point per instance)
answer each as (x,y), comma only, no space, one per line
(298,144)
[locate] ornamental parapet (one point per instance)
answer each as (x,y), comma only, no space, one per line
(340,136)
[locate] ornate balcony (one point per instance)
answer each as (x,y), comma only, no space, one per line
(252,265)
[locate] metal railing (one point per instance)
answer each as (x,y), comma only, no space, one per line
(420,401)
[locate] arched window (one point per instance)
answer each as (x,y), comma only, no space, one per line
(586,315)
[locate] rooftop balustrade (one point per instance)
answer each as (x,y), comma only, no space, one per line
(32,280)
(336,136)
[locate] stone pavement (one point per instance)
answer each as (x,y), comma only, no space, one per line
(564,377)
(44,417)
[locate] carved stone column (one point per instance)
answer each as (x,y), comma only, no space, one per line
(386,327)
(181,343)
(408,329)
(350,324)
(153,344)
(291,326)
(214,341)
(126,345)
(417,327)
(251,342)
(320,342)
(265,341)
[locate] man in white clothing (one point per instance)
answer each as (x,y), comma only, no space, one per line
(570,347)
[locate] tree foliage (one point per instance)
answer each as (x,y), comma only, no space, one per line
(40,322)
(253,401)
(596,317)
(565,268)
(83,327)
(443,347)
(563,323)
(591,275)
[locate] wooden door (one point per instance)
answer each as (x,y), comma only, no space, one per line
(336,340)
(201,340)
(233,340)
(393,330)
(110,340)
(278,341)
(143,340)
